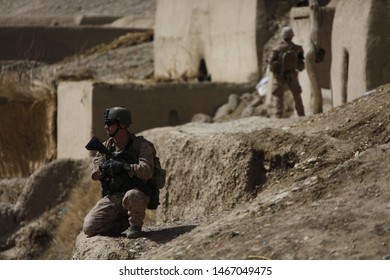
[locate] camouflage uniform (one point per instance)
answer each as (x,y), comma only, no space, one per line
(287,78)
(115,212)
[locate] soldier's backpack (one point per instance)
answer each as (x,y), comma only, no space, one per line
(157,182)
(289,60)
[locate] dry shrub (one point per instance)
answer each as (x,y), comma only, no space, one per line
(127,40)
(27,123)
(81,199)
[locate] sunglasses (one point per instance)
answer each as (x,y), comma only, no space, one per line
(109,123)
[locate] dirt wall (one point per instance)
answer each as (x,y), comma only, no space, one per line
(154,105)
(221,32)
(300,22)
(359,48)
(200,184)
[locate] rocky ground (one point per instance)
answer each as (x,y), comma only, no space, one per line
(325,195)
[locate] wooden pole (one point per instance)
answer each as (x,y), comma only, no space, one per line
(310,58)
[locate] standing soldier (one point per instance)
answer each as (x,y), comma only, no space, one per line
(285,60)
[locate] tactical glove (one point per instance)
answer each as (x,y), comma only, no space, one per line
(111,168)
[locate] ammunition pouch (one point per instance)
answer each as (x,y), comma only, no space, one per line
(276,67)
(120,183)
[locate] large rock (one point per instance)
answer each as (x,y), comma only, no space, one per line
(101,248)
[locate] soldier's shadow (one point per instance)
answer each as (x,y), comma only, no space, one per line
(167,234)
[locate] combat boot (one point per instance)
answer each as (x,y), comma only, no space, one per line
(133,232)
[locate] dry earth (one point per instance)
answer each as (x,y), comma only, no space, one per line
(325,195)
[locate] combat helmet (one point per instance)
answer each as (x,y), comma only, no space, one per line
(120,115)
(287,32)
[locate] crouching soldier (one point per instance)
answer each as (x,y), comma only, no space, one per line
(123,177)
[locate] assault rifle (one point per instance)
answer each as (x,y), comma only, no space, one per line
(113,183)
(95,145)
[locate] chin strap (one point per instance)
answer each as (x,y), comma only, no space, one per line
(116,131)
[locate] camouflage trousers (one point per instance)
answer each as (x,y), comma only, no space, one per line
(113,214)
(279,85)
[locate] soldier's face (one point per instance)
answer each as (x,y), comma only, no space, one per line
(111,128)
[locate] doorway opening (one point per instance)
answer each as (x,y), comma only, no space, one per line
(203,74)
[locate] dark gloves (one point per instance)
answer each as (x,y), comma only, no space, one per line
(111,168)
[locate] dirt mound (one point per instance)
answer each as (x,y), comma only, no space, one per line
(29,223)
(199,185)
(105,62)
(325,194)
